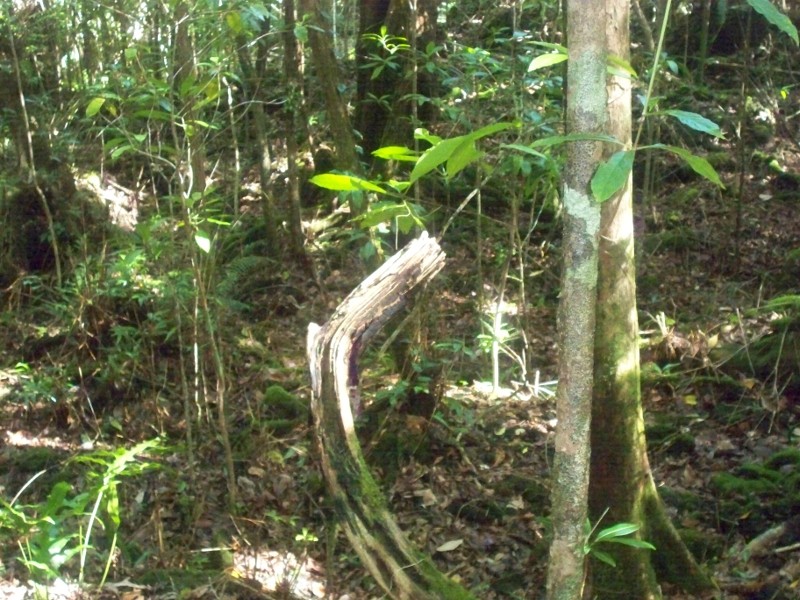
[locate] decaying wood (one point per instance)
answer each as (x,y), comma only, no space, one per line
(333,351)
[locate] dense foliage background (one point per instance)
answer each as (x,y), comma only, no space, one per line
(164,248)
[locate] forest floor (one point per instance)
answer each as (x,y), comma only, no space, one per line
(470,484)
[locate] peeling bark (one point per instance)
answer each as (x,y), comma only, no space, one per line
(333,350)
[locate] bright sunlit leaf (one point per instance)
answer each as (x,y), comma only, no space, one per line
(94,106)
(203,241)
(450,546)
(396,153)
(345,183)
(546,60)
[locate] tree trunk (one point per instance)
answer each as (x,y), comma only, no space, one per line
(376,93)
(294,86)
(327,70)
(333,351)
(254,77)
(194,177)
(586,109)
(386,103)
(621,480)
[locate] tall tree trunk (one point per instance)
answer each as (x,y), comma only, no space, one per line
(254,76)
(294,85)
(376,92)
(386,102)
(327,70)
(586,110)
(621,480)
(184,68)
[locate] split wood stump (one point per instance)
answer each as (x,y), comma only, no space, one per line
(333,350)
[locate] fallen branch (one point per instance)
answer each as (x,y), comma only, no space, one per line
(333,352)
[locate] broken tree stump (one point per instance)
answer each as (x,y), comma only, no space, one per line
(333,350)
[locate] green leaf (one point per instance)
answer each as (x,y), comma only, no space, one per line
(120,150)
(94,106)
(698,164)
(131,54)
(603,557)
(383,212)
(396,153)
(461,146)
(463,156)
(425,135)
(546,60)
(234,21)
(203,241)
(696,122)
(524,149)
(344,183)
(435,156)
(632,542)
(400,186)
(767,10)
(619,66)
(615,531)
(612,175)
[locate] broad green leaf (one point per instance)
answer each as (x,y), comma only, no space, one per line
(696,122)
(203,241)
(344,183)
(698,164)
(463,156)
(442,151)
(603,557)
(406,223)
(615,531)
(94,106)
(383,212)
(435,156)
(131,54)
(396,153)
(767,10)
(612,175)
(546,60)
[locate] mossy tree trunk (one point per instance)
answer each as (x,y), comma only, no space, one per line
(586,110)
(621,480)
(333,350)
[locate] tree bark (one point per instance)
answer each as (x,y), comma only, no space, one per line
(333,351)
(586,109)
(621,480)
(327,70)
(294,86)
